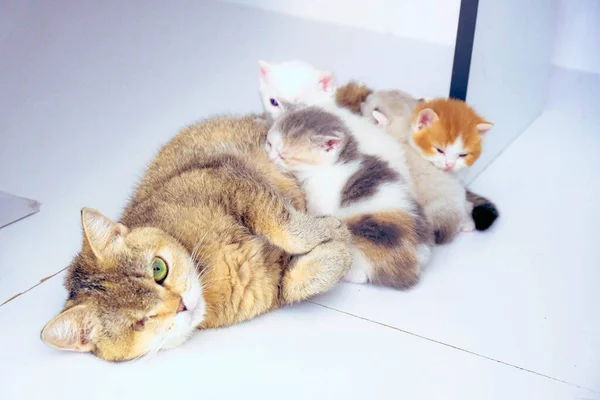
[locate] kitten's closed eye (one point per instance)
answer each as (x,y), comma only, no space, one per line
(268,146)
(463,155)
(274,102)
(439,150)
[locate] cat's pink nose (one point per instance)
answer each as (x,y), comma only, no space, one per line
(181,307)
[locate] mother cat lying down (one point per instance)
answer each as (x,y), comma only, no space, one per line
(214,235)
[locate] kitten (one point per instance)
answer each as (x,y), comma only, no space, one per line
(446,204)
(214,235)
(355,97)
(440,194)
(353,170)
(287,82)
(448,133)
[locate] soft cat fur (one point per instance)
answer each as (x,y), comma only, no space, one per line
(441,194)
(355,97)
(445,204)
(287,82)
(232,232)
(448,133)
(352,95)
(351,169)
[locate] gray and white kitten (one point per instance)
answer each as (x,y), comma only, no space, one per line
(353,170)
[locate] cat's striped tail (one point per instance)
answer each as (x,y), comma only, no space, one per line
(484,211)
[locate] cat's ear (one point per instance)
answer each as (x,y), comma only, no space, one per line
(263,70)
(426,118)
(326,81)
(327,142)
(70,330)
(100,233)
(484,127)
(380,118)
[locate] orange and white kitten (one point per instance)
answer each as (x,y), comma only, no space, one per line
(446,204)
(448,133)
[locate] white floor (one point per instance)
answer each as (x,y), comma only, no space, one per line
(509,314)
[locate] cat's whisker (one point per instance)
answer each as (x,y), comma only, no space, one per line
(203,272)
(154,351)
(197,246)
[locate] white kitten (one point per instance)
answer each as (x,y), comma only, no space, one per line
(291,82)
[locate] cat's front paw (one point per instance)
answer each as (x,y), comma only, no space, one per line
(335,229)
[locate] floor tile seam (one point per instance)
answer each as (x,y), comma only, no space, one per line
(438,342)
(43,280)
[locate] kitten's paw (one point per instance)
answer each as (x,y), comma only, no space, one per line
(467,226)
(356,275)
(335,229)
(305,232)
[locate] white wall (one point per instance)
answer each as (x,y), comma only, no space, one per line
(428,20)
(578,37)
(511,67)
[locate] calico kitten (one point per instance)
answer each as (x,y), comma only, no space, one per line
(214,235)
(351,169)
(448,133)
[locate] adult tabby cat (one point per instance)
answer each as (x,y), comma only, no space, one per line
(214,235)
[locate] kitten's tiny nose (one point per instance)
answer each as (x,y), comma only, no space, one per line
(181,307)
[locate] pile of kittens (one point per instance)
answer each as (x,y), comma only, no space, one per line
(384,162)
(238,216)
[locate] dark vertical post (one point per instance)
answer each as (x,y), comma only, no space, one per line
(463,49)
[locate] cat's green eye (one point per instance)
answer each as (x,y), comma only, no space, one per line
(159,270)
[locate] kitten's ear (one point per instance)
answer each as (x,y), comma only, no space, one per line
(327,142)
(326,82)
(263,70)
(484,127)
(70,330)
(426,118)
(380,118)
(100,233)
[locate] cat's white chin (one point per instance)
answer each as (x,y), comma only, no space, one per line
(187,322)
